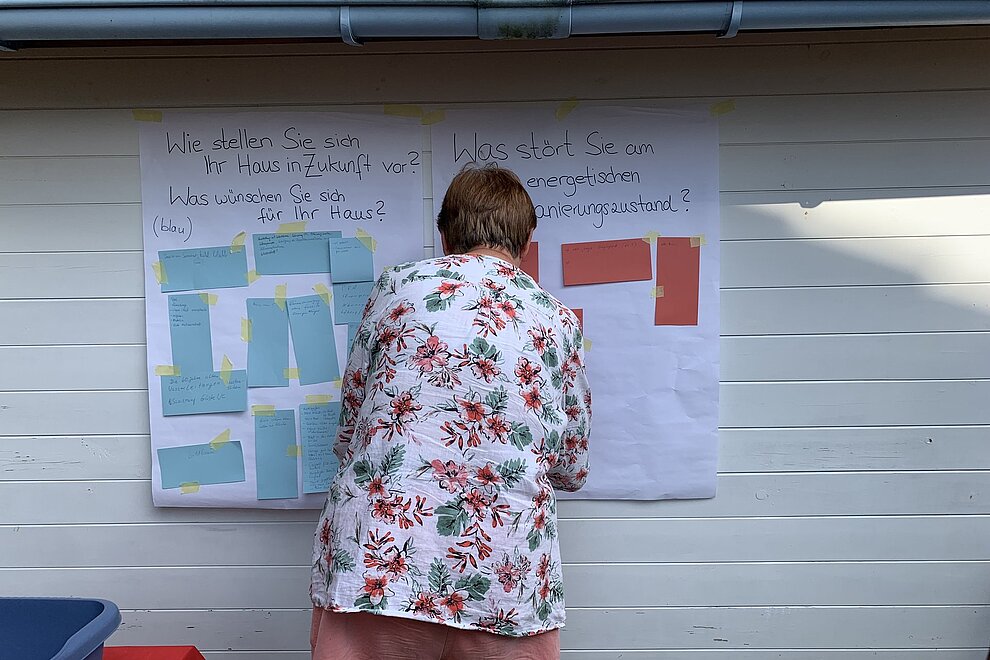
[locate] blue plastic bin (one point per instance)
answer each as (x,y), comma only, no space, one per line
(55,628)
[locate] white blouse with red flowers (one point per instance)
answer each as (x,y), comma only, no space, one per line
(464,404)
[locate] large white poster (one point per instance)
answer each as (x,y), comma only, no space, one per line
(627,206)
(263,234)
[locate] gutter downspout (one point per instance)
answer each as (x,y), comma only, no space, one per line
(353,21)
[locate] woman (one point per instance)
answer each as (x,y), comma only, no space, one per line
(464,404)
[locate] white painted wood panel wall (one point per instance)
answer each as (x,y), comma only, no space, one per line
(853,514)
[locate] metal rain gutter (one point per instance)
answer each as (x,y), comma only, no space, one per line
(353,21)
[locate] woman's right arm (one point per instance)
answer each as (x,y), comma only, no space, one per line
(354,383)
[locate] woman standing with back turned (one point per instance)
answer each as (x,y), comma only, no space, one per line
(464,404)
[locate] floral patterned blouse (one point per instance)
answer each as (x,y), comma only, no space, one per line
(464,404)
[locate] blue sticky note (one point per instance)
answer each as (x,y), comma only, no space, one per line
(203,268)
(318,430)
(204,393)
(201,464)
(268,350)
(312,340)
(352,330)
(349,299)
(350,261)
(292,254)
(189,327)
(275,455)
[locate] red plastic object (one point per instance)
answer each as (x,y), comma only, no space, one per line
(151,653)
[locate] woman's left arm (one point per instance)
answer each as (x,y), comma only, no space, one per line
(571,470)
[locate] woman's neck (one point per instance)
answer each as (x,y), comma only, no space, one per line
(495,252)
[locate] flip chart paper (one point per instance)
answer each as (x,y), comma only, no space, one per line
(203,393)
(531,262)
(238,179)
(600,262)
(349,300)
(291,254)
(610,172)
(678,266)
(318,431)
(313,340)
(275,460)
(268,350)
(350,261)
(201,464)
(189,330)
(203,268)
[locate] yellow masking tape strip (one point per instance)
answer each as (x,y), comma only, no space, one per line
(159,269)
(697,241)
(280,296)
(141,114)
(367,239)
(293,451)
(338,382)
(651,237)
(226,366)
(237,244)
(245,329)
(189,487)
(252,276)
(209,298)
(322,291)
(166,370)
(587,344)
(656,292)
(722,107)
(292,227)
(263,410)
(291,373)
(565,108)
(219,441)
(319,398)
(403,110)
(434,117)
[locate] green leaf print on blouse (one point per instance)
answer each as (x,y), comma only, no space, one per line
(451,518)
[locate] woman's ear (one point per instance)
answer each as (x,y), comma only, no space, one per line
(525,250)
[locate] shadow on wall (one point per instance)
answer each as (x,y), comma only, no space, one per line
(922,260)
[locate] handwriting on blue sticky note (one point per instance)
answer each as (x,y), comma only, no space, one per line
(318,431)
(203,268)
(291,254)
(349,299)
(313,342)
(268,350)
(275,456)
(204,393)
(350,261)
(201,464)
(189,328)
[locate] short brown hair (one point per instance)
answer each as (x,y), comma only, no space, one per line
(486,207)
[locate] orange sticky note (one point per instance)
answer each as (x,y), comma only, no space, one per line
(678,272)
(531,262)
(601,262)
(579,313)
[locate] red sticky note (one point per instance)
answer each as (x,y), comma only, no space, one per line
(601,262)
(678,272)
(579,313)
(531,262)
